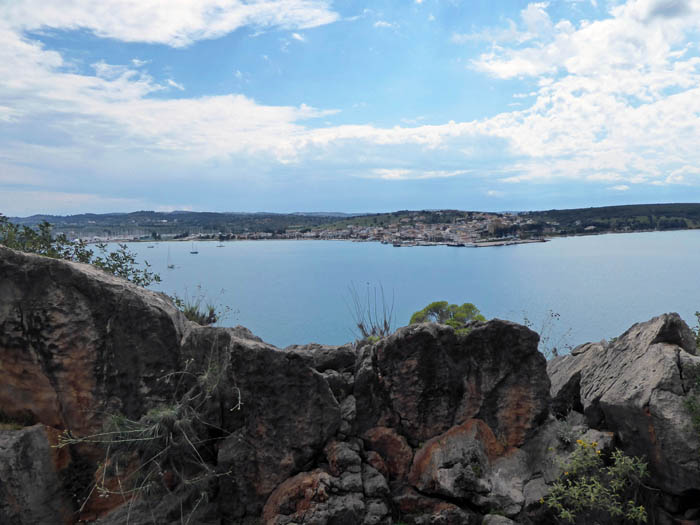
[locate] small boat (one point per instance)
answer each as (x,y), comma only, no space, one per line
(150,246)
(220,245)
(171,266)
(193,250)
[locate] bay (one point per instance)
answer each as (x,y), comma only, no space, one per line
(296,292)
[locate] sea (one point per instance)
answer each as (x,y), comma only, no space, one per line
(571,290)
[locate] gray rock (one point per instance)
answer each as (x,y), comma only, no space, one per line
(495,519)
(374,484)
(30,489)
(453,465)
(376,513)
(636,388)
(424,379)
(506,477)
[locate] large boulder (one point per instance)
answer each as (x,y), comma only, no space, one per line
(637,387)
(277,413)
(425,379)
(76,343)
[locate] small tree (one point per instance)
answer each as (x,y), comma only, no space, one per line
(458,317)
(121,262)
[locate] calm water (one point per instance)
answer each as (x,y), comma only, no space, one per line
(291,292)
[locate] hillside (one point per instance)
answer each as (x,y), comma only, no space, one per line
(456,226)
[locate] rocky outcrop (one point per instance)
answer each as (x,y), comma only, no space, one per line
(637,387)
(424,426)
(425,379)
(76,343)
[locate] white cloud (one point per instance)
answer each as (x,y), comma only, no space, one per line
(639,33)
(384,24)
(297,36)
(175,23)
(602,112)
(534,19)
(495,193)
(412,174)
(620,187)
(175,85)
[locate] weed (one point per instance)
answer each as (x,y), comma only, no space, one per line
(550,345)
(589,491)
(172,446)
(372,314)
(565,432)
(199,309)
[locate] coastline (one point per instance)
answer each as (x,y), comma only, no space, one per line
(407,243)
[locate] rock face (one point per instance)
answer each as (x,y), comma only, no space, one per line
(75,343)
(424,379)
(636,387)
(27,462)
(422,427)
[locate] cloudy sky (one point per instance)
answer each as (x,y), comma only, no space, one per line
(347,105)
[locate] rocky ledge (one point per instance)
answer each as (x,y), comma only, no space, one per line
(423,427)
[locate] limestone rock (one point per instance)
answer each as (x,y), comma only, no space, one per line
(286,416)
(424,379)
(636,388)
(76,343)
(417,509)
(495,519)
(454,464)
(30,486)
(395,453)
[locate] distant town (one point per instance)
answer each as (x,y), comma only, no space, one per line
(418,229)
(401,228)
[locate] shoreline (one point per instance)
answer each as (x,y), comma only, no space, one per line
(408,243)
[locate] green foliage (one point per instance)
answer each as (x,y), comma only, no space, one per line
(458,317)
(565,432)
(590,491)
(199,309)
(620,218)
(121,262)
(194,311)
(696,330)
(692,401)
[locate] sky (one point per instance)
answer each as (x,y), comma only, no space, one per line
(347,105)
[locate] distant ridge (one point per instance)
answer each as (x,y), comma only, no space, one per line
(622,218)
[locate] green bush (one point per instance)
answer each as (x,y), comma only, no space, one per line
(692,401)
(589,491)
(458,317)
(120,262)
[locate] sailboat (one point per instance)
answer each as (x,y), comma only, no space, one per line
(193,250)
(171,266)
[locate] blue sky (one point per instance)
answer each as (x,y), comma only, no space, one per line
(314,105)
